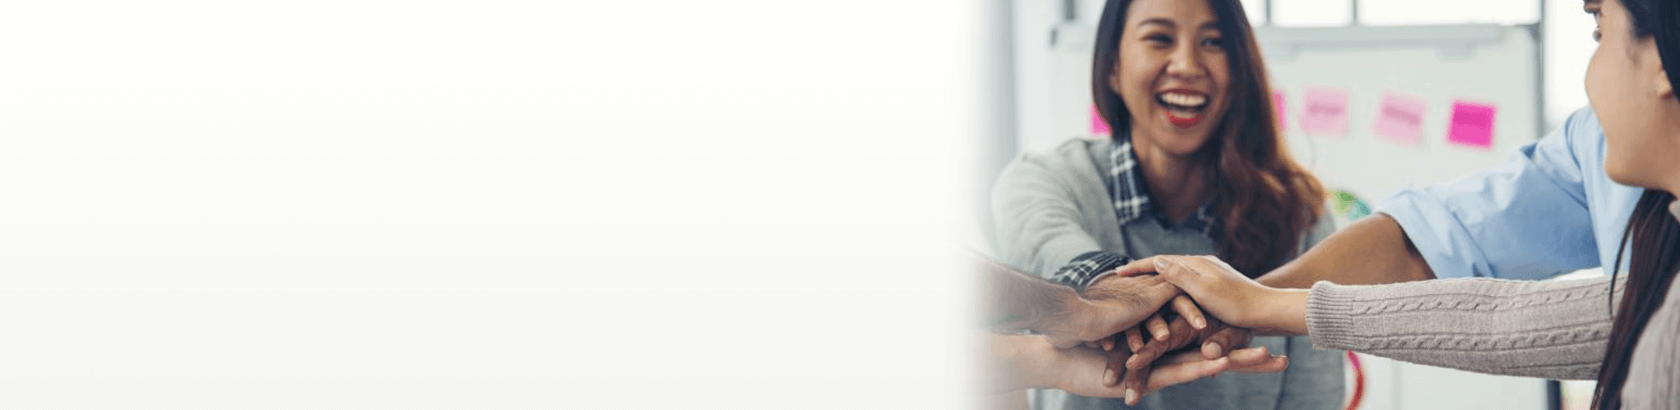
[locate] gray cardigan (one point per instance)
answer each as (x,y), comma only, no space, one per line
(1552,329)
(1051,207)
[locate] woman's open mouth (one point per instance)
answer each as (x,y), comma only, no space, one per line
(1183,108)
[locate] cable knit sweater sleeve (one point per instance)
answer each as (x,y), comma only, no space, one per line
(1552,329)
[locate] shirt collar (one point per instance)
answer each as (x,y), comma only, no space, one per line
(1131,196)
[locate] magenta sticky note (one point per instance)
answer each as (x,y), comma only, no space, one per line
(1400,118)
(1280,106)
(1472,124)
(1326,112)
(1098,126)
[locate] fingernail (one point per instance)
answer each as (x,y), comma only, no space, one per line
(1162,263)
(1131,362)
(1200,323)
(1110,377)
(1163,336)
(1131,397)
(1216,351)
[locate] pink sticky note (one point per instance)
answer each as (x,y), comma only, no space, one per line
(1327,114)
(1098,126)
(1472,124)
(1400,119)
(1282,109)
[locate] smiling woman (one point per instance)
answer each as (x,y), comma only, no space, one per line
(1161,69)
(1196,165)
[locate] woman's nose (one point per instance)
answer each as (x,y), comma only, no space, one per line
(1184,62)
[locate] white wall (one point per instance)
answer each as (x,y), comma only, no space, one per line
(484,204)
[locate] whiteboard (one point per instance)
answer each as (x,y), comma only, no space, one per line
(1485,64)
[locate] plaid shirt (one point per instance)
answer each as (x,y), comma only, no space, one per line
(1131,201)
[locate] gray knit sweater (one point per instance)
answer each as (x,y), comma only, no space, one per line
(1552,329)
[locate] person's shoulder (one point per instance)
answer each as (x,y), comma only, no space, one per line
(1082,148)
(1073,155)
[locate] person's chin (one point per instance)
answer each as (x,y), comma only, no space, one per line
(1613,167)
(1186,144)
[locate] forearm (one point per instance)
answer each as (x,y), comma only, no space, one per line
(1016,301)
(1372,250)
(1018,362)
(1552,329)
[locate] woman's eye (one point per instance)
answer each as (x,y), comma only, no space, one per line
(1595,35)
(1213,42)
(1158,39)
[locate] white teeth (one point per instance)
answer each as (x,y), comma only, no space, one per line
(1188,100)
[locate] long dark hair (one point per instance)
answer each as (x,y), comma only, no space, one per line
(1652,228)
(1264,200)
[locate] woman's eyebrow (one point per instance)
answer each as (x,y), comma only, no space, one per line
(1158,21)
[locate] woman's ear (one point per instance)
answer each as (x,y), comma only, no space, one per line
(1648,58)
(1114,80)
(1665,88)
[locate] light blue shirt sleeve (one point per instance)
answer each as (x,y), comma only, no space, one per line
(1529,219)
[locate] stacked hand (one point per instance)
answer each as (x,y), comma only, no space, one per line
(1078,370)
(1228,294)
(1146,335)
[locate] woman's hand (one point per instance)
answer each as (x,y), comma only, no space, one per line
(1228,295)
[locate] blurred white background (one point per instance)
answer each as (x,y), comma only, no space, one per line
(485,204)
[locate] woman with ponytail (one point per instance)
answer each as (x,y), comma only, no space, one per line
(1622,329)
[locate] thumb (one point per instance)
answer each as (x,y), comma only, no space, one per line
(1186,371)
(1064,342)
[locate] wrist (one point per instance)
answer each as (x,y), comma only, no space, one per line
(1067,308)
(1286,312)
(1106,275)
(1079,310)
(1038,361)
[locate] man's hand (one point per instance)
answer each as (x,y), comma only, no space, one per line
(1212,341)
(1079,370)
(1109,306)
(1191,366)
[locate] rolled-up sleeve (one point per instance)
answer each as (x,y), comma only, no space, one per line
(1525,220)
